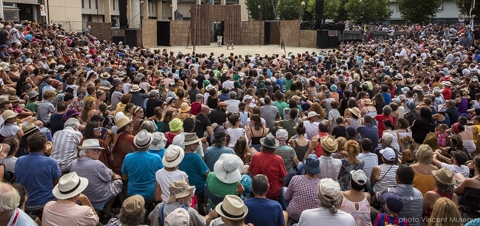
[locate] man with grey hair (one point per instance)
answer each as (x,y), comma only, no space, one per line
(232,103)
(65,143)
(104,185)
(9,211)
(386,142)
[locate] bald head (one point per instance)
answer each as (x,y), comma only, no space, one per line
(205,110)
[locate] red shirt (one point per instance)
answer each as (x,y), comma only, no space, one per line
(447,93)
(318,149)
(273,167)
(196,108)
(380,119)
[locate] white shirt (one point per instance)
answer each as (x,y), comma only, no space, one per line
(323,215)
(311,128)
(228,84)
(370,160)
(457,169)
(329,167)
(65,147)
(165,178)
(232,105)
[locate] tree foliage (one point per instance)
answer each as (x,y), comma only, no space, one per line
(418,11)
(366,11)
(290,9)
(465,5)
(266,9)
(330,8)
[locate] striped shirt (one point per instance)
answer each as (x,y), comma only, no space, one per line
(20,219)
(65,144)
(387,177)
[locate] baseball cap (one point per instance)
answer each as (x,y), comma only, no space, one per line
(359,177)
(388,154)
(393,202)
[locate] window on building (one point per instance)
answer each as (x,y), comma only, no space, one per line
(83,4)
(96,4)
(114,4)
(89,4)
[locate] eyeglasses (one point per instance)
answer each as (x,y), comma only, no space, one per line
(98,129)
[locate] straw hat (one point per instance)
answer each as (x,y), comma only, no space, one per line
(8,114)
(190,138)
(184,108)
(143,139)
(329,144)
(122,122)
(312,114)
(232,208)
(12,98)
(173,156)
(227,168)
(105,75)
(367,102)
(355,111)
(135,88)
(29,128)
(90,144)
(69,186)
(159,141)
(444,176)
(179,189)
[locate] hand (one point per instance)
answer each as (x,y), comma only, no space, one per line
(83,199)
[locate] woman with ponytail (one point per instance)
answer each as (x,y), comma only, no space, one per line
(467,133)
(330,197)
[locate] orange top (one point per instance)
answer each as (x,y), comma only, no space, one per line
(423,183)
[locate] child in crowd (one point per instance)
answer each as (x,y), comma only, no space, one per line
(393,206)
(442,136)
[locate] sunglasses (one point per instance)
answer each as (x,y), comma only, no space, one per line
(98,129)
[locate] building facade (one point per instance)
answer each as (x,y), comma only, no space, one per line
(447,12)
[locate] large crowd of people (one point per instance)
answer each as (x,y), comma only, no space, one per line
(379,132)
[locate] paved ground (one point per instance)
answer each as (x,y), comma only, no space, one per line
(239,49)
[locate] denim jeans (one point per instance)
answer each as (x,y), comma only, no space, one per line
(282,199)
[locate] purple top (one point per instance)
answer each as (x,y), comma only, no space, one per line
(463,106)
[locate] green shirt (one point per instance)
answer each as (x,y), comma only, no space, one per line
(288,154)
(219,189)
(32,106)
(281,105)
(289,125)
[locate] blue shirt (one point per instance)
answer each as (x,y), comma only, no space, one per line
(213,153)
(387,98)
(193,165)
(37,172)
(160,152)
(140,167)
(370,132)
(262,211)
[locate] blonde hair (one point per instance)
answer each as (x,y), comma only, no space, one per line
(445,213)
(352,148)
(424,154)
(341,141)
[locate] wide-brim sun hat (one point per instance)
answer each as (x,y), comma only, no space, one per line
(232,208)
(179,189)
(143,139)
(227,168)
(91,144)
(69,185)
(269,141)
(355,111)
(190,138)
(184,108)
(444,176)
(159,141)
(329,144)
(8,114)
(122,122)
(173,156)
(135,88)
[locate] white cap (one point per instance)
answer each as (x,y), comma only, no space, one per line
(359,177)
(388,154)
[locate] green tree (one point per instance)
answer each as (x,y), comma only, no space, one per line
(342,14)
(290,9)
(266,9)
(330,8)
(418,11)
(466,5)
(366,11)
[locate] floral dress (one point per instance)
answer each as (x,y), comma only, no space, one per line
(345,176)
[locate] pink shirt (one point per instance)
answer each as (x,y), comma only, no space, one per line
(66,212)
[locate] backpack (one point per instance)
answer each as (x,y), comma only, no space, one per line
(161,220)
